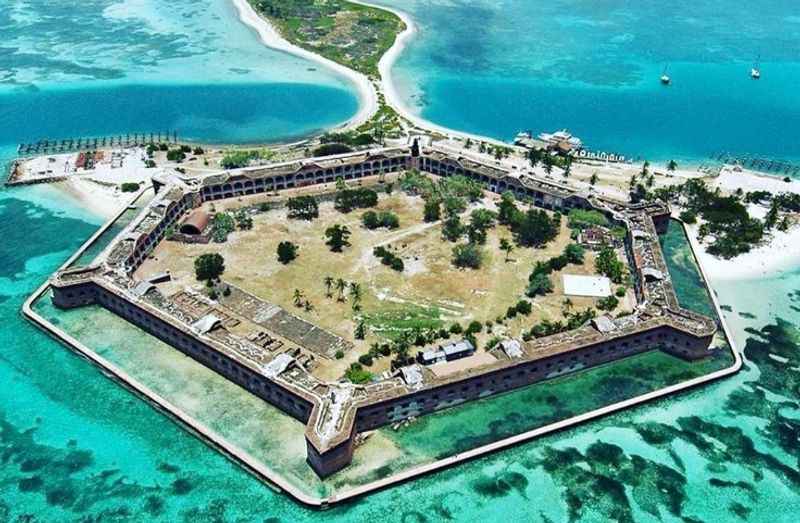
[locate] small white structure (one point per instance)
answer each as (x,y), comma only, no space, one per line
(592,286)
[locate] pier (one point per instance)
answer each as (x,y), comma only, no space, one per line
(767,165)
(47,146)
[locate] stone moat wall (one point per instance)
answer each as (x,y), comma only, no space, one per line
(378,414)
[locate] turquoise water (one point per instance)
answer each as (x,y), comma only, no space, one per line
(495,68)
(108,67)
(74,446)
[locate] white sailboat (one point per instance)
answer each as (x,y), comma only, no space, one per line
(755,71)
(665,79)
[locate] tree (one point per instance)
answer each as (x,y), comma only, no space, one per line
(548,164)
(645,168)
(467,255)
(302,208)
(370,220)
(524,307)
(574,254)
(328,281)
(341,285)
(209,267)
(535,229)
(433,209)
(539,285)
(567,167)
(672,165)
(297,298)
(360,334)
(287,251)
(607,263)
(507,246)
(480,221)
(243,220)
(593,180)
(452,229)
(337,236)
(507,209)
(355,295)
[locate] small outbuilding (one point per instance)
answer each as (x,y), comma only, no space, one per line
(196,223)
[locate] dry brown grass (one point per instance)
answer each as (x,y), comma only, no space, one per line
(428,285)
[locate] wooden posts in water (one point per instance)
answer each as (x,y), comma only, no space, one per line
(47,146)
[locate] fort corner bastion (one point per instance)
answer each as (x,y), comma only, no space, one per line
(335,412)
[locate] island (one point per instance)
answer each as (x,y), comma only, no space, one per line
(255,322)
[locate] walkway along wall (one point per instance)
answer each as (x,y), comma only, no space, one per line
(85,286)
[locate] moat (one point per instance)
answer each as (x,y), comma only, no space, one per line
(298,381)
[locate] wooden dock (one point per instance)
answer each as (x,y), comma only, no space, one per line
(46,146)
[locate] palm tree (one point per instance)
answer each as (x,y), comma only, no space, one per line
(298,298)
(355,290)
(672,165)
(567,305)
(341,285)
(328,285)
(506,246)
(593,179)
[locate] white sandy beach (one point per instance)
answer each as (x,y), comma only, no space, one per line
(779,253)
(368,97)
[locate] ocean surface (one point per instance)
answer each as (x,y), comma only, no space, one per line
(74,446)
(498,67)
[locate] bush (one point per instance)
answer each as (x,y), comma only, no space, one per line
(558,262)
(388,258)
(467,255)
(175,155)
(329,149)
(385,349)
(539,285)
(474,327)
(574,254)
(287,251)
(621,292)
(688,216)
(524,307)
(348,199)
(302,208)
(209,266)
(237,159)
(511,312)
(608,303)
(226,291)
(339,354)
(456,328)
(370,220)
(366,360)
(129,187)
(357,374)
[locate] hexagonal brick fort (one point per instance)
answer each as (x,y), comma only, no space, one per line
(335,413)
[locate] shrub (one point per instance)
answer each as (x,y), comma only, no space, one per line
(511,312)
(348,199)
(456,328)
(176,155)
(370,220)
(129,187)
(357,374)
(621,292)
(524,307)
(574,254)
(339,354)
(539,285)
(303,208)
(467,255)
(365,359)
(474,327)
(287,251)
(209,266)
(688,216)
(608,303)
(329,149)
